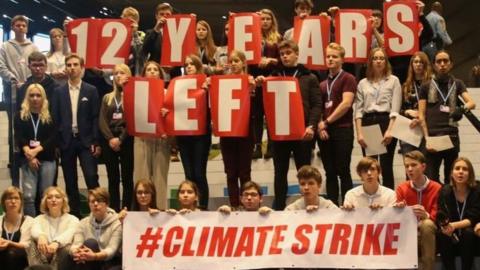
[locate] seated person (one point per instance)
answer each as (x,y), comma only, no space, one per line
(370,193)
(14,230)
(250,200)
(421,194)
(310,181)
(98,237)
(187,196)
(145,194)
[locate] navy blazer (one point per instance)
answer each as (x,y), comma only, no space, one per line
(87,115)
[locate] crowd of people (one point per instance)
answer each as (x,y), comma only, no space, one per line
(60,112)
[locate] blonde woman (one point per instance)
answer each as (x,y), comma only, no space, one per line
(56,55)
(35,136)
(14,230)
(52,232)
(119,145)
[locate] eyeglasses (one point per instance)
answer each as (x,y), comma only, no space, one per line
(40,65)
(251,194)
(143,192)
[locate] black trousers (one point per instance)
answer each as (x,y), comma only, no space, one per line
(302,154)
(434,160)
(336,154)
(465,248)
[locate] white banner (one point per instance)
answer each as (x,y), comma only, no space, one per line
(362,238)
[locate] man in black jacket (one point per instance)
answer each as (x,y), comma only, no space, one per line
(312,102)
(152,44)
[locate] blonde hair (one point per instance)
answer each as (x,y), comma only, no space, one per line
(130,12)
(52,32)
(208,44)
(111,96)
(337,47)
(43,203)
(271,36)
(25,110)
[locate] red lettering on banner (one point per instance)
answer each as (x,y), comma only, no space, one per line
(371,244)
(102,43)
(357,238)
(283,105)
(262,231)
(187,245)
(390,238)
(230,105)
(143,101)
(245,243)
(322,233)
(312,35)
(401,28)
(222,243)
(303,246)
(202,245)
(245,35)
(341,233)
(354,32)
(187,104)
(178,39)
(174,233)
(278,237)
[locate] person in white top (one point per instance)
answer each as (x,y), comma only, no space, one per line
(14,230)
(52,232)
(370,194)
(310,182)
(56,55)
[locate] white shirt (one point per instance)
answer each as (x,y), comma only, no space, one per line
(74,93)
(56,62)
(360,199)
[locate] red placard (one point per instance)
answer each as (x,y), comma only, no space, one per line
(102,43)
(401,28)
(353,31)
(187,104)
(245,35)
(312,35)
(283,105)
(230,105)
(144,121)
(178,39)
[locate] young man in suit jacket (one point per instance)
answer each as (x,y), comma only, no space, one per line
(78,109)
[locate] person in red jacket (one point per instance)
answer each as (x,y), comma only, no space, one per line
(421,194)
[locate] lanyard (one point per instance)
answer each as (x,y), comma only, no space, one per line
(460,213)
(330,86)
(117,104)
(10,235)
(35,126)
(444,98)
(294,74)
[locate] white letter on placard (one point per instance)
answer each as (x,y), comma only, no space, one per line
(226,103)
(406,42)
(140,110)
(109,56)
(282,90)
(177,36)
(311,30)
(181,104)
(241,37)
(353,26)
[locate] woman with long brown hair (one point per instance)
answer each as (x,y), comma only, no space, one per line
(206,46)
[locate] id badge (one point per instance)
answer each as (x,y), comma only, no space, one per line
(117,116)
(34,143)
(328,104)
(444,108)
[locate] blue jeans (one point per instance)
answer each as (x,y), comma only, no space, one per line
(35,182)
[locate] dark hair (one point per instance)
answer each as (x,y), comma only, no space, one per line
(416,155)
(443,51)
(197,62)
(307,172)
(37,57)
(309,3)
(471,172)
(148,186)
(162,6)
(249,185)
(366,163)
